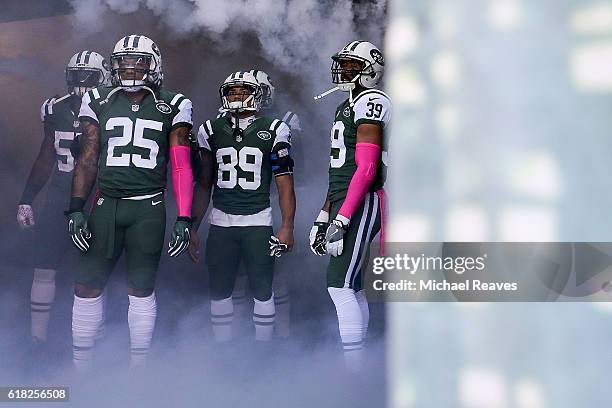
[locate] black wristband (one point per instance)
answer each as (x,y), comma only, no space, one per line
(27,197)
(186,219)
(76,205)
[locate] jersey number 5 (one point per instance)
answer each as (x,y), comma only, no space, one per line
(240,158)
(64,152)
(132,133)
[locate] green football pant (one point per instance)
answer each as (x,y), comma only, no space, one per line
(345,271)
(226,247)
(138,226)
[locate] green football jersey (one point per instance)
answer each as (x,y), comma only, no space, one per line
(370,106)
(62,124)
(243,164)
(134,138)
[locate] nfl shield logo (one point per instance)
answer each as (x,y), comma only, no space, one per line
(76,124)
(135,108)
(100,200)
(239,138)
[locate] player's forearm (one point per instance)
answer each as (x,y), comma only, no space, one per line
(39,175)
(326,206)
(201,201)
(85,173)
(286,200)
(203,187)
(86,169)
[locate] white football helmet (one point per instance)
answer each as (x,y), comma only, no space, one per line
(86,70)
(267,89)
(250,101)
(138,56)
(371,73)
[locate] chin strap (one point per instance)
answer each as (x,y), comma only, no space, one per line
(120,88)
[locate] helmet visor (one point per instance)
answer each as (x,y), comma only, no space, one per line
(78,77)
(132,66)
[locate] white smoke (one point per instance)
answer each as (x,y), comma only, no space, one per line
(295,35)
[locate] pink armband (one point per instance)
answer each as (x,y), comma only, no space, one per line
(366,158)
(182,177)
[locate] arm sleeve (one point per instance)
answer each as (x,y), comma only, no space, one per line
(182,178)
(366,158)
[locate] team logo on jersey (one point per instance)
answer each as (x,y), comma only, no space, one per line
(135,107)
(163,107)
(76,124)
(100,200)
(377,56)
(346,112)
(264,135)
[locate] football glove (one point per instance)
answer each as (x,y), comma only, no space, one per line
(317,234)
(77,227)
(334,237)
(277,248)
(179,241)
(25,216)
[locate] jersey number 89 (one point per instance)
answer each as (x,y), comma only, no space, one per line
(240,158)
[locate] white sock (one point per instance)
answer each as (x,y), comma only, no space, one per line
(241,308)
(221,316)
(141,320)
(102,327)
(282,322)
(263,317)
(86,318)
(365,311)
(41,299)
(350,323)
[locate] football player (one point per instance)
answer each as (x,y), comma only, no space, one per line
(243,151)
(282,272)
(131,130)
(351,215)
(55,161)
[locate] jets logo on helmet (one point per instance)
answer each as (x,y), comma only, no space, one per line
(267,89)
(136,62)
(240,92)
(377,56)
(86,70)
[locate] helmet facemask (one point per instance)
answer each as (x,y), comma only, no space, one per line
(345,76)
(132,71)
(81,80)
(240,96)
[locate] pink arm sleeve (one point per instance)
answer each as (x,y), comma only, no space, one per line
(182,178)
(366,158)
